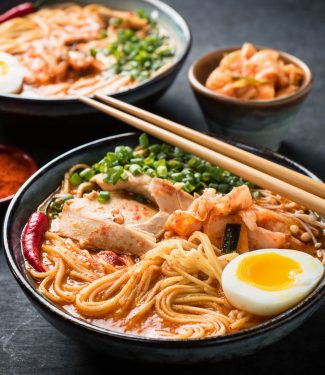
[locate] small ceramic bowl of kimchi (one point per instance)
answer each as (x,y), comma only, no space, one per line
(250,93)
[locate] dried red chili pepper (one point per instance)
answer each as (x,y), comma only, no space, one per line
(32,237)
(20,10)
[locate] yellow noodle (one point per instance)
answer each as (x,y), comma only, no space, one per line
(167,281)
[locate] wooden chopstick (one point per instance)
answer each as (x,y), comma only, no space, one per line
(285,174)
(259,178)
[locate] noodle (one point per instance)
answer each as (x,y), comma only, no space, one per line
(168,281)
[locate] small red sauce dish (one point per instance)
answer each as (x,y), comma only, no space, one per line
(15,168)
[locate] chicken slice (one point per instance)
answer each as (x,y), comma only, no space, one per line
(121,239)
(120,205)
(93,224)
(122,224)
(168,196)
(155,225)
(134,184)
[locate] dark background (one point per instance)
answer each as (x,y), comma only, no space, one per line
(28,344)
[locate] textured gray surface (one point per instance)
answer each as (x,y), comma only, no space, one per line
(28,344)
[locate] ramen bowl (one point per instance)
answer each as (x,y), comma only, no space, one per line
(211,349)
(262,122)
(151,89)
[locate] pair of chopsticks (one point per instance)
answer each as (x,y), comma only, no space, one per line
(264,173)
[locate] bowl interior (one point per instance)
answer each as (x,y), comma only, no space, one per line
(46,180)
(168,18)
(202,68)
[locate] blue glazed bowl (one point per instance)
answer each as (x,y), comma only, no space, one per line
(212,349)
(148,90)
(262,122)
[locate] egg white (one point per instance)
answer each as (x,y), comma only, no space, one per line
(263,302)
(11,79)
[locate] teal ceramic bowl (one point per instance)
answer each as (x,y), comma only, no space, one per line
(148,91)
(263,122)
(211,349)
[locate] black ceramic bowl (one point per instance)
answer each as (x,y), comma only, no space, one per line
(213,349)
(153,88)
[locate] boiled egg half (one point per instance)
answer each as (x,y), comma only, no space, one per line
(11,74)
(269,281)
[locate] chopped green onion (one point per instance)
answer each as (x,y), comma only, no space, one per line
(151,172)
(223,188)
(188,187)
(144,141)
(206,176)
(103,33)
(87,174)
(104,196)
(162,171)
(93,52)
(56,205)
(136,161)
(142,13)
(164,161)
(115,176)
(124,176)
(135,169)
(75,179)
(155,149)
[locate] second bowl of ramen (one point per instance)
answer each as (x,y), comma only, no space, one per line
(132,50)
(250,94)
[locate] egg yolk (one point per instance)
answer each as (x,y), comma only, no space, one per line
(269,271)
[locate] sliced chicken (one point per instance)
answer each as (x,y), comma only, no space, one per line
(121,239)
(155,225)
(119,207)
(134,184)
(168,196)
(92,224)
(122,224)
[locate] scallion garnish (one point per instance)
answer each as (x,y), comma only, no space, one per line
(75,179)
(164,161)
(104,196)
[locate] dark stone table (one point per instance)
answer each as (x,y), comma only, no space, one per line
(28,344)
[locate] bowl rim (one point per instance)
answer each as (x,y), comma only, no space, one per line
(32,165)
(186,31)
(306,304)
(302,91)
